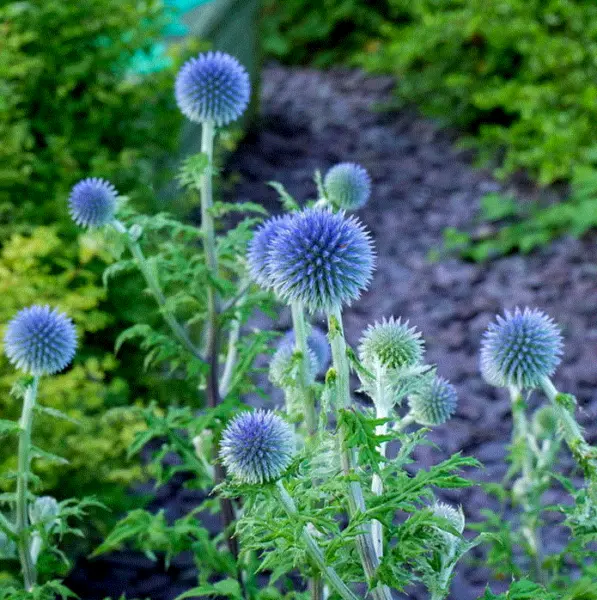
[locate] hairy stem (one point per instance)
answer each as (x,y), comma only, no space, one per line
(520,439)
(231,356)
(300,343)
(24,461)
(381,412)
(313,549)
(153,284)
(583,452)
(356,500)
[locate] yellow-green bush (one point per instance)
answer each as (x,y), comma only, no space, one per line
(39,268)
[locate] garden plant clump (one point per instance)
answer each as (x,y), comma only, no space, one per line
(321,497)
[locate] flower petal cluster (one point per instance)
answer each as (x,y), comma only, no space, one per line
(318,344)
(40,340)
(520,349)
(391,344)
(435,403)
(321,259)
(347,186)
(92,202)
(257,447)
(212,87)
(259,248)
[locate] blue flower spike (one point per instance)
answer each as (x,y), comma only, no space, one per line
(212,87)
(40,341)
(521,349)
(321,259)
(92,203)
(257,447)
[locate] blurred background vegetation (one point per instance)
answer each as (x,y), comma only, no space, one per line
(81,94)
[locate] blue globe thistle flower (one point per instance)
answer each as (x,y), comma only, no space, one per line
(92,202)
(435,403)
(321,259)
(257,447)
(454,516)
(318,344)
(280,368)
(347,185)
(392,344)
(40,340)
(520,349)
(259,247)
(214,86)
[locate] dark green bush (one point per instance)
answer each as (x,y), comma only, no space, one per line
(521,75)
(69,106)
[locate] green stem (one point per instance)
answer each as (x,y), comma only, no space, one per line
(154,286)
(313,549)
(231,357)
(582,451)
(300,338)
(24,460)
(381,412)
(356,500)
(520,439)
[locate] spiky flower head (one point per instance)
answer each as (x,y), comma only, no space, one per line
(40,340)
(391,344)
(318,344)
(257,447)
(214,87)
(435,403)
(454,516)
(347,185)
(520,349)
(92,202)
(281,372)
(259,248)
(321,259)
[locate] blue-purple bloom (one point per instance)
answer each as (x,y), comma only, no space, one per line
(391,344)
(92,202)
(40,340)
(321,259)
(435,403)
(318,344)
(214,87)
(347,186)
(520,349)
(259,247)
(257,447)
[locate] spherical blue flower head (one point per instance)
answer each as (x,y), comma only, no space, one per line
(40,340)
(435,403)
(259,247)
(520,349)
(347,185)
(257,447)
(212,87)
(92,202)
(318,344)
(321,259)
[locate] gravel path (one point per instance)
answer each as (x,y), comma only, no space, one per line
(422,184)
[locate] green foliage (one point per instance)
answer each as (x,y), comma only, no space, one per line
(527,89)
(95,435)
(70,105)
(525,226)
(322,33)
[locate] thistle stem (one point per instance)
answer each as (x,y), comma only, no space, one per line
(381,412)
(520,438)
(24,461)
(356,500)
(300,338)
(153,284)
(231,356)
(583,452)
(313,549)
